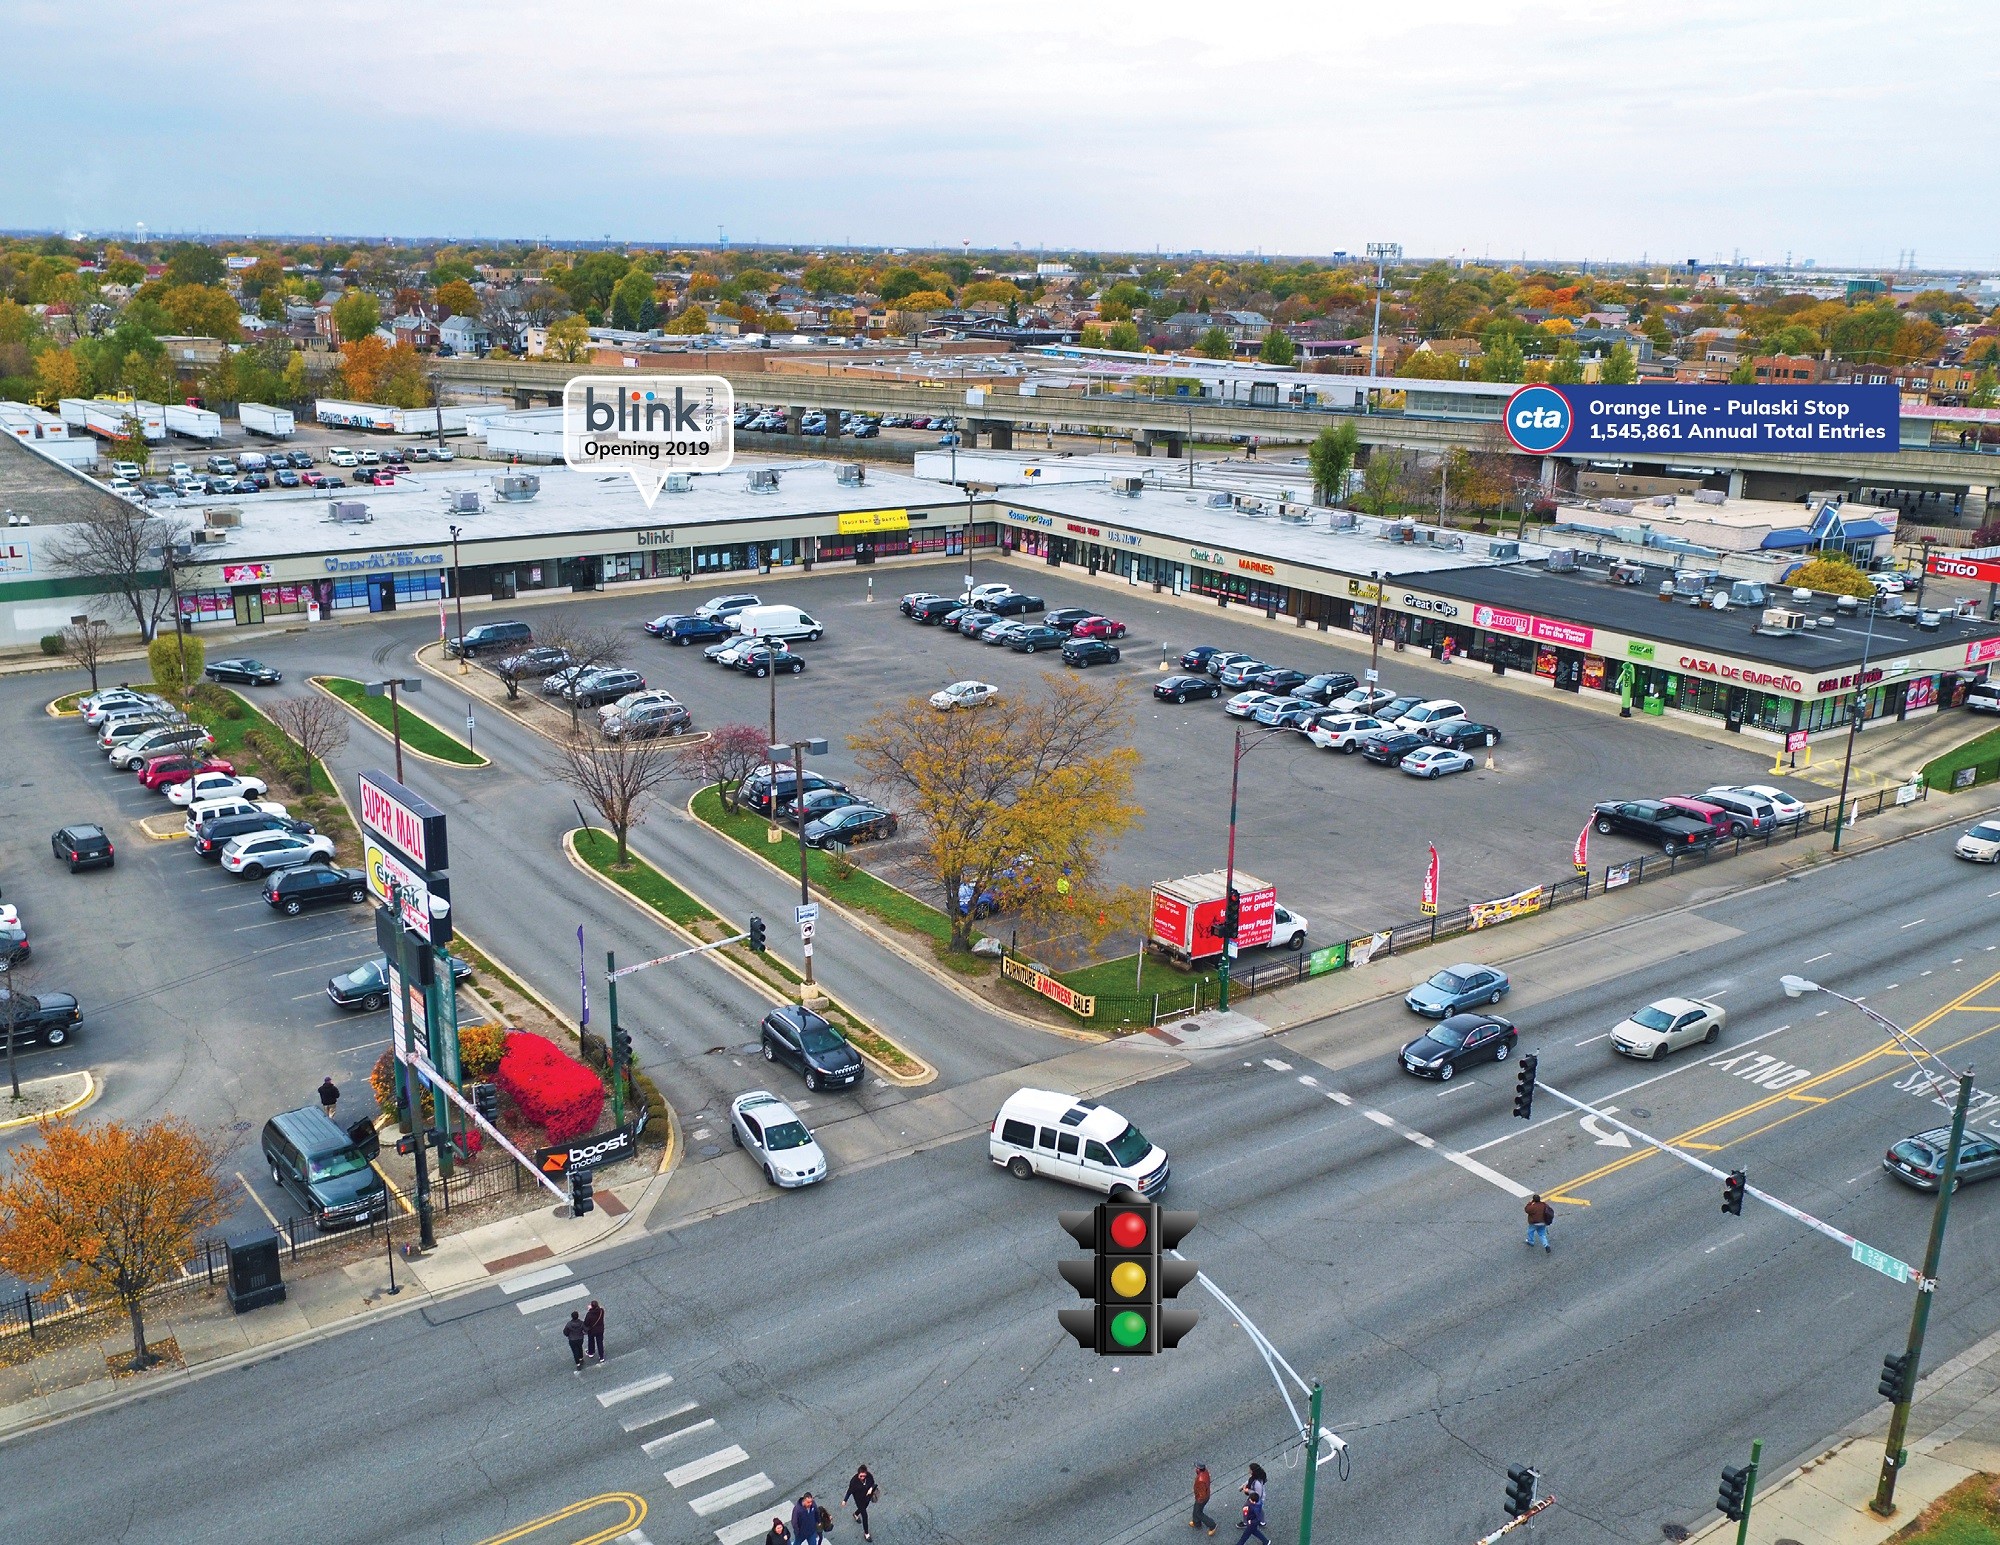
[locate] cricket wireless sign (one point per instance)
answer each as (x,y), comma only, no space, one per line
(649,426)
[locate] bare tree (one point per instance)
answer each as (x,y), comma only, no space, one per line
(618,777)
(129,552)
(316,724)
(14,1009)
(590,648)
(84,642)
(730,753)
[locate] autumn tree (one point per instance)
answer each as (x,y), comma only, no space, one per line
(361,366)
(110,1212)
(1620,367)
(1330,456)
(618,778)
(1831,574)
(690,322)
(730,753)
(1011,800)
(1383,479)
(458,299)
(202,311)
(1214,344)
(176,659)
(569,339)
(317,725)
(356,315)
(85,643)
(124,551)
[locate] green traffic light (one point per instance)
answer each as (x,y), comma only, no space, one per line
(1129,1329)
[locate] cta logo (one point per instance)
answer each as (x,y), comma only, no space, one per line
(1539,419)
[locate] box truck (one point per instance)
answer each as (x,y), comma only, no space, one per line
(257,419)
(195,423)
(1185,913)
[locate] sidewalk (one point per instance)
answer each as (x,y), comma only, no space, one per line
(1954,1434)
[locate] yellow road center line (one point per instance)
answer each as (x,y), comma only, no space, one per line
(635,1513)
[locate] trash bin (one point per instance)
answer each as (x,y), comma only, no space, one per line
(254,1277)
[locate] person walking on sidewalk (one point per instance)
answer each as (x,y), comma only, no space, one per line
(779,1534)
(805,1521)
(862,1492)
(329,1096)
(574,1333)
(1540,1216)
(593,1331)
(1203,1485)
(1253,1522)
(1255,1487)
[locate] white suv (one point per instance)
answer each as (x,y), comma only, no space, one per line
(256,853)
(341,456)
(1343,731)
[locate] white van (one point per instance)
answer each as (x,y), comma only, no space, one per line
(1040,1132)
(786,622)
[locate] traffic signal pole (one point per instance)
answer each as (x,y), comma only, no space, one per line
(1229,872)
(1312,1470)
(1749,1492)
(1893,1454)
(617,1063)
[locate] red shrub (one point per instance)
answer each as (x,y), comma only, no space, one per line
(557,1093)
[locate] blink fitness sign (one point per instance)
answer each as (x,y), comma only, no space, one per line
(649,426)
(1690,420)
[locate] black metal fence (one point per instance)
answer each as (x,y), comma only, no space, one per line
(1968,776)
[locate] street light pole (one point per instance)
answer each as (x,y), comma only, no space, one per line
(458,598)
(1375,633)
(390,689)
(774,754)
(1853,729)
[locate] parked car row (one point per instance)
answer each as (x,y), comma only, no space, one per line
(761,420)
(993,614)
(1680,823)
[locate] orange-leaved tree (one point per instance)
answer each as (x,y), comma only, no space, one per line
(109,1212)
(1017,798)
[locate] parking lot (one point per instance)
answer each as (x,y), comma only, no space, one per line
(198,998)
(1342,839)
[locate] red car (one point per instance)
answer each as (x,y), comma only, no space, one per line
(162,772)
(1098,627)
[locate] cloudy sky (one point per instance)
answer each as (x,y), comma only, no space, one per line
(1838,130)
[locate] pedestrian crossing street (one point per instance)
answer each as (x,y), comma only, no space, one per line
(642,1403)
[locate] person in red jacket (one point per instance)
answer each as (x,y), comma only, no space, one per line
(1203,1485)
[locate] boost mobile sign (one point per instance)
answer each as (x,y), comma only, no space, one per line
(649,426)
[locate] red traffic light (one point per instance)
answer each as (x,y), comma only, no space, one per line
(1128,1230)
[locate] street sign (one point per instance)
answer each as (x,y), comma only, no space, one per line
(1882,1261)
(807,912)
(805,930)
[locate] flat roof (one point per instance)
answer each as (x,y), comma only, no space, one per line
(1587,597)
(416,509)
(46,490)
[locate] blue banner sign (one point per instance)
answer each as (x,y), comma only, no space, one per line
(1689,420)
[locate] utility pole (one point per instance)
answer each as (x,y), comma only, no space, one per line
(390,689)
(458,597)
(1229,875)
(1854,709)
(798,751)
(1894,1456)
(1312,1470)
(617,1062)
(1375,633)
(1383,252)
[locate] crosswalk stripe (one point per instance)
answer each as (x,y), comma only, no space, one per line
(650,1449)
(533,1279)
(632,1537)
(550,1300)
(729,1496)
(709,1464)
(634,1423)
(632,1391)
(744,1529)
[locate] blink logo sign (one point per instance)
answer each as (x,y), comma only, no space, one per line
(1538,419)
(649,426)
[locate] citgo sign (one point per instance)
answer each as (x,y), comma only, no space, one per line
(1947,566)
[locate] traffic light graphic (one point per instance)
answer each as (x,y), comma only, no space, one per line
(1128,1276)
(486,1100)
(1894,1384)
(1732,1192)
(621,1045)
(1729,1496)
(1521,1490)
(582,1183)
(1524,1086)
(757,935)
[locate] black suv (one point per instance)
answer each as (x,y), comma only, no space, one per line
(213,835)
(323,1168)
(492,635)
(82,846)
(757,790)
(291,891)
(937,608)
(46,1017)
(1388,747)
(1089,651)
(1012,604)
(542,660)
(1326,686)
(800,1038)
(1650,821)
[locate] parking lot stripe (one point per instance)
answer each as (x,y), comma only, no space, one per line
(633,1391)
(534,1279)
(561,1295)
(729,1496)
(269,1215)
(709,1464)
(350,1050)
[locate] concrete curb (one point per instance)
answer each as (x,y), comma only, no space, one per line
(318,684)
(92,1088)
(750,978)
(890,942)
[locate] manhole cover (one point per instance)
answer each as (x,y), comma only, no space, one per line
(1674,1532)
(1641,1112)
(748,1051)
(709,1150)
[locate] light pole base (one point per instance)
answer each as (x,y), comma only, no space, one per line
(811,997)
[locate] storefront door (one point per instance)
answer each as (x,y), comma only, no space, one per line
(864,550)
(249,606)
(381,595)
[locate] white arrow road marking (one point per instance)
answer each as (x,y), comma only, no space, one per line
(1604,1139)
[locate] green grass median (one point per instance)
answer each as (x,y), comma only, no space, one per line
(1982,754)
(419,734)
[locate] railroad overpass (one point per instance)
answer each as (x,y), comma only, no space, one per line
(1168,423)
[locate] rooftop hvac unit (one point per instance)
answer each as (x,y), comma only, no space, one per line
(1340,520)
(516,487)
(1710,496)
(1219,501)
(762,480)
(1781,619)
(1128,486)
(1615,506)
(1664,501)
(850,473)
(1503,549)
(206,537)
(226,516)
(679,482)
(1245,501)
(1562,561)
(465,502)
(353,511)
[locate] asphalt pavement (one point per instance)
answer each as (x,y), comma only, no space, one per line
(1370,1224)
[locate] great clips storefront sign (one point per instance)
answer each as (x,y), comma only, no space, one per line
(1688,419)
